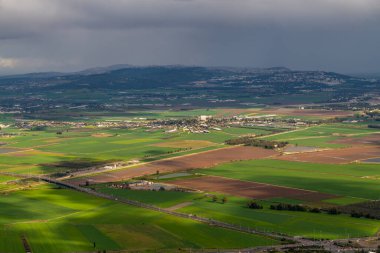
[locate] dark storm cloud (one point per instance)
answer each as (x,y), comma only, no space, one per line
(341,35)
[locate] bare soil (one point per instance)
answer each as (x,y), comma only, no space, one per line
(249,189)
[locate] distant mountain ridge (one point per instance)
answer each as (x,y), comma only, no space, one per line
(129,76)
(176,86)
(107,69)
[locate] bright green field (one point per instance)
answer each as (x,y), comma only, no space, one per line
(243,131)
(4,179)
(58,220)
(346,180)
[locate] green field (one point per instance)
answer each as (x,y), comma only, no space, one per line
(243,131)
(41,152)
(59,220)
(235,211)
(352,180)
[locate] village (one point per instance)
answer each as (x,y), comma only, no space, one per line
(199,125)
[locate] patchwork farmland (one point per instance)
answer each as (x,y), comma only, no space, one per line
(200,160)
(196,174)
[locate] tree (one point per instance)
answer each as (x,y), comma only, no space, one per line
(315,210)
(333,211)
(157,173)
(254,205)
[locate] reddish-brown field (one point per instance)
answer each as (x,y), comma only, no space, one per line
(335,156)
(194,161)
(249,189)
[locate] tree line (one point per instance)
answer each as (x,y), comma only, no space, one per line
(252,141)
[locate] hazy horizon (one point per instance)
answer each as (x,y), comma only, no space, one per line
(364,74)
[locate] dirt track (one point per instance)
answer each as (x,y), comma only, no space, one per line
(194,161)
(248,189)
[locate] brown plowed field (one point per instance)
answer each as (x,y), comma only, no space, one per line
(249,189)
(335,156)
(194,161)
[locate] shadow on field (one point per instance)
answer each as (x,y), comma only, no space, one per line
(77,164)
(63,167)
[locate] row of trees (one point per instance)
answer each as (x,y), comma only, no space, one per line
(289,207)
(252,141)
(222,200)
(356,214)
(303,208)
(369,210)
(170,152)
(296,208)
(254,205)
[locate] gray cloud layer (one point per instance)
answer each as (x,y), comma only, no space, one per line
(339,35)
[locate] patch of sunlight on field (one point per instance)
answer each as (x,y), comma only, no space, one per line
(59,220)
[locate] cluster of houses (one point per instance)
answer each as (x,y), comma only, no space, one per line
(143,185)
(205,123)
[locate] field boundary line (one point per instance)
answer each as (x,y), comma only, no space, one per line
(291,131)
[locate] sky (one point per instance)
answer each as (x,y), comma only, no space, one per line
(70,35)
